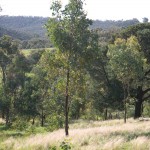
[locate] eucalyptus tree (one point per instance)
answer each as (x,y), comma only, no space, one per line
(104,94)
(13,66)
(8,50)
(127,63)
(69,32)
(142,32)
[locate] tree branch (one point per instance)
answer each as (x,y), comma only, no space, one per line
(106,76)
(146,73)
(147,78)
(147,90)
(146,98)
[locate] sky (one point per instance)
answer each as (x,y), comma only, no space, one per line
(96,9)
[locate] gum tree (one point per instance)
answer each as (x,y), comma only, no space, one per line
(8,50)
(127,63)
(68,30)
(142,32)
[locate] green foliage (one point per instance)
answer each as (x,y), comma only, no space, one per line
(66,27)
(54,122)
(146,111)
(126,60)
(33,129)
(66,145)
(35,43)
(141,31)
(20,124)
(133,30)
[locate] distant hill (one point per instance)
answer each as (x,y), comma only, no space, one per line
(112,23)
(15,34)
(25,28)
(30,26)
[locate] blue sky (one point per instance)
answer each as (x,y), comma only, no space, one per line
(96,9)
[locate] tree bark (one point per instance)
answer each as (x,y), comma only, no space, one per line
(106,114)
(3,110)
(33,121)
(138,103)
(125,101)
(42,119)
(67,103)
(3,76)
(7,116)
(138,106)
(3,114)
(125,111)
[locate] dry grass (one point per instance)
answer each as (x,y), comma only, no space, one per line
(113,143)
(106,135)
(141,143)
(2,120)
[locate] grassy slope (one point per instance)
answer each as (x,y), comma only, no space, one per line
(27,52)
(89,135)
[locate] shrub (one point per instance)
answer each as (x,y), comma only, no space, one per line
(20,124)
(66,145)
(33,129)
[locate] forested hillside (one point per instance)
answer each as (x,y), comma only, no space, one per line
(33,26)
(24,28)
(15,34)
(112,23)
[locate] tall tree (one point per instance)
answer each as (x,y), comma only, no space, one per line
(69,32)
(141,31)
(8,50)
(127,63)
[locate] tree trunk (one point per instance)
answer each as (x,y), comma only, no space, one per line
(125,91)
(3,114)
(138,106)
(33,121)
(138,103)
(42,119)
(106,114)
(7,116)
(7,109)
(67,103)
(4,76)
(125,110)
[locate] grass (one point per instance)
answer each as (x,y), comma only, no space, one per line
(87,135)
(6,133)
(27,52)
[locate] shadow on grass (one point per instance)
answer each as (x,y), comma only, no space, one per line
(130,136)
(3,127)
(15,134)
(6,131)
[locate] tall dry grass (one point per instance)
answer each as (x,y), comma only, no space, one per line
(106,135)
